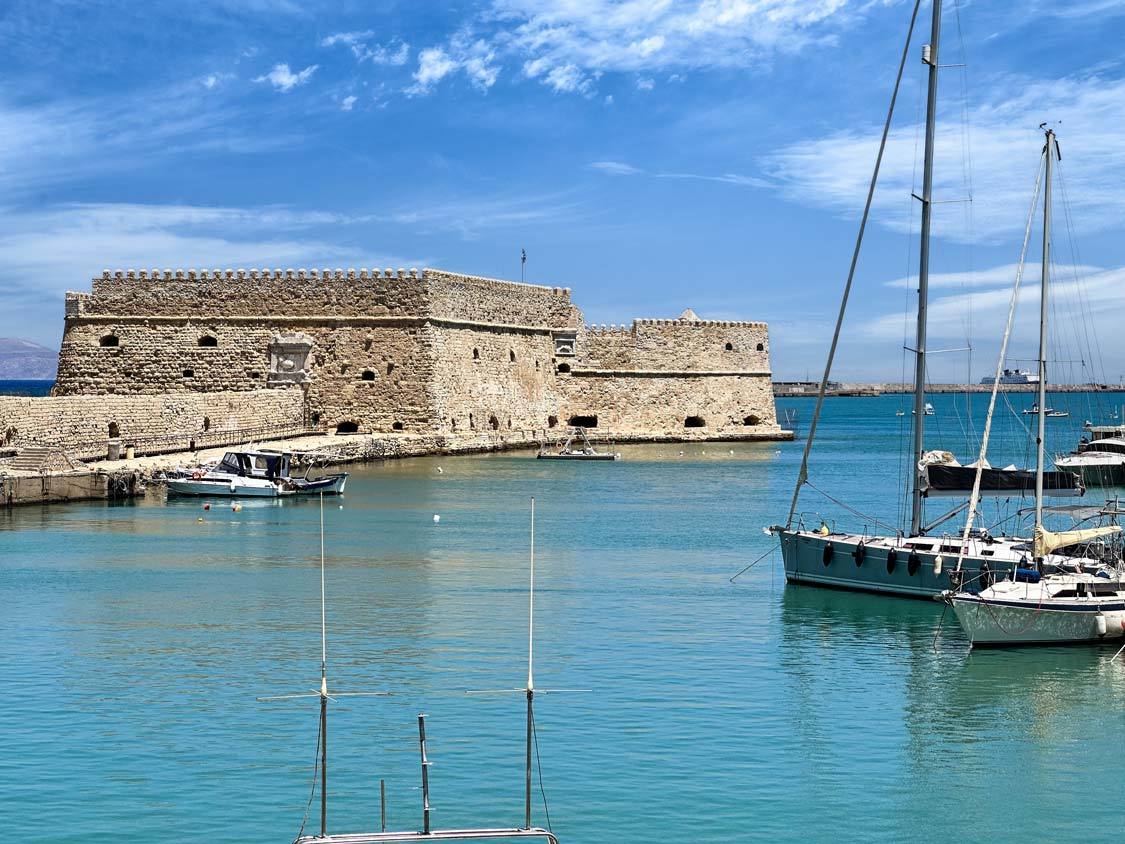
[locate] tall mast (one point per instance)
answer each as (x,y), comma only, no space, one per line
(930,57)
(530,680)
(1040,437)
(323,689)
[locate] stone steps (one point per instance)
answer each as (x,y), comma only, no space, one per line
(31,458)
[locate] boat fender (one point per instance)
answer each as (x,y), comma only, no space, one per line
(913,563)
(859,553)
(826,557)
(985,579)
(892,561)
(1099,622)
(938,561)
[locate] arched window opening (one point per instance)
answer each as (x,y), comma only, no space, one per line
(109,341)
(10,436)
(536,364)
(476,354)
(255,374)
(206,423)
(564,367)
(552,421)
(509,423)
(114,430)
(494,423)
(315,417)
(472,424)
(583,421)
(695,422)
(368,375)
(390,367)
(752,419)
(453,424)
(189,373)
(729,347)
(397,426)
(511,355)
(208,342)
(347,427)
(761,347)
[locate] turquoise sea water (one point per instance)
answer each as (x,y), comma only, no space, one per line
(137,638)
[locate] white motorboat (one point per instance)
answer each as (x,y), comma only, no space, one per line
(927,410)
(242,474)
(1049,412)
(1101,462)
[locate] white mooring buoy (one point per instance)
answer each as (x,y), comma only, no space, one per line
(437,518)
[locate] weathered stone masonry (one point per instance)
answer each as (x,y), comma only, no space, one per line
(428,352)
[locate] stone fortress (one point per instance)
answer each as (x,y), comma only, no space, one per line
(468,361)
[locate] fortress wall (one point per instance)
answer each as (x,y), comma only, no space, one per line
(285,293)
(476,299)
(82,423)
(659,405)
(470,390)
(162,357)
(400,364)
(678,345)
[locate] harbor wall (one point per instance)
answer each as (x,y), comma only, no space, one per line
(83,425)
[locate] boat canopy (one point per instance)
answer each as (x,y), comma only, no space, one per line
(1047,541)
(1110,445)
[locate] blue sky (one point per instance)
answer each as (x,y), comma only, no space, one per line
(650,155)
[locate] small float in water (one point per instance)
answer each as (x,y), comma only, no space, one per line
(577,447)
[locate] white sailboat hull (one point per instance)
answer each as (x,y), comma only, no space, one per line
(990,622)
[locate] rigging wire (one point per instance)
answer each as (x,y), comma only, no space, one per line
(539,765)
(312,789)
(803,474)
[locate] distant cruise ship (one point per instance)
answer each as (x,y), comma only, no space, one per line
(1014,376)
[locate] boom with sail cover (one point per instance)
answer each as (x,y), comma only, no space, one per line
(957,481)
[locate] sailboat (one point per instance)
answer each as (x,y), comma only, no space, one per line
(911,561)
(1079,598)
(426,833)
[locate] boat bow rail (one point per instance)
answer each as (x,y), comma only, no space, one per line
(436,835)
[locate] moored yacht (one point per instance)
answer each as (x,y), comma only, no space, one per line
(1100,462)
(916,561)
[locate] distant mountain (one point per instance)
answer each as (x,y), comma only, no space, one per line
(24,360)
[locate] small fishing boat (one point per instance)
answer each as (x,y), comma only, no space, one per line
(232,477)
(927,410)
(584,451)
(1049,412)
(253,474)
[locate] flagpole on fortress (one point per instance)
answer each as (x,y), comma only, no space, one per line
(523,262)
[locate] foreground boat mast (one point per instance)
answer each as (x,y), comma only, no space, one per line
(1040,438)
(930,57)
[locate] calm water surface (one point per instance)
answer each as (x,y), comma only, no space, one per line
(137,637)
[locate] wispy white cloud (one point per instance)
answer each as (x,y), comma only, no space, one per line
(348,103)
(471,217)
(833,171)
(475,57)
(396,53)
(646,83)
(1005,274)
(567,43)
(622,168)
(284,80)
(615,168)
(349,39)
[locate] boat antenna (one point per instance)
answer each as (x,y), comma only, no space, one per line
(930,55)
(322,693)
(529,690)
(1040,437)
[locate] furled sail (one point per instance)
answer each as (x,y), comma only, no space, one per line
(943,476)
(1047,541)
